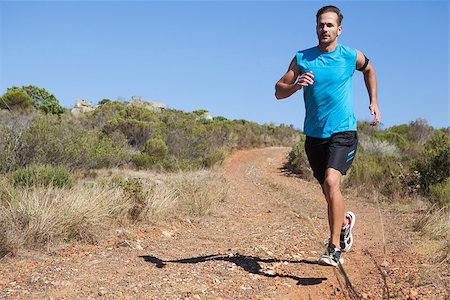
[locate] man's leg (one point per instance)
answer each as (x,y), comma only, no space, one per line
(335,201)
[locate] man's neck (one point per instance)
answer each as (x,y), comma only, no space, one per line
(327,47)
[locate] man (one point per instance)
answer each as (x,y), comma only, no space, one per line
(325,74)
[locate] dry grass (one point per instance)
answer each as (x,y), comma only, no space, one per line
(37,217)
(34,217)
(188,193)
(435,226)
(199,192)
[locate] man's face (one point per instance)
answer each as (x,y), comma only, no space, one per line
(327,28)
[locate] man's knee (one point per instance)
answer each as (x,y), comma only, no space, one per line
(332,180)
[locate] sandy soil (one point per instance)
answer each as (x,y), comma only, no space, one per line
(261,243)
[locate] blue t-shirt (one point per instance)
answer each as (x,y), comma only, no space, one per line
(329,101)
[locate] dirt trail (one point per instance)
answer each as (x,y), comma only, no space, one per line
(261,243)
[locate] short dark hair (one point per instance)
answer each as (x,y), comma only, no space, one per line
(330,8)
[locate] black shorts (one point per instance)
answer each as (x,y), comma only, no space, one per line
(337,152)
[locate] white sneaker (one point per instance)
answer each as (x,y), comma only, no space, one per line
(331,257)
(346,239)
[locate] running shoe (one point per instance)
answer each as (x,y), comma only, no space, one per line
(346,239)
(332,256)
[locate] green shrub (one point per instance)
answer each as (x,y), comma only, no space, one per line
(213,158)
(97,118)
(434,163)
(144,161)
(393,138)
(37,175)
(53,141)
(176,164)
(219,119)
(384,174)
(298,161)
(104,101)
(138,124)
(200,112)
(135,194)
(15,99)
(41,99)
(191,143)
(408,138)
(156,147)
(440,193)
(416,132)
(153,156)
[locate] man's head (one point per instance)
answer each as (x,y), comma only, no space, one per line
(328,28)
(330,8)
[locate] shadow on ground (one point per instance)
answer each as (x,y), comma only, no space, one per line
(250,264)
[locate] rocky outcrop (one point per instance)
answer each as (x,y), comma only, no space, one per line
(206,116)
(81,107)
(84,106)
(151,105)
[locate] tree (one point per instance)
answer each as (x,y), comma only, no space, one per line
(15,99)
(41,98)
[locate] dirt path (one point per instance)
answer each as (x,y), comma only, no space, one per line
(262,243)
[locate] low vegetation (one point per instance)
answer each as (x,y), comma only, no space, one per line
(59,174)
(400,164)
(117,134)
(42,216)
(41,176)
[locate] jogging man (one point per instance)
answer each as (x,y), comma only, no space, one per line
(325,74)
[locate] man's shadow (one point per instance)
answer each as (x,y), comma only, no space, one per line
(250,264)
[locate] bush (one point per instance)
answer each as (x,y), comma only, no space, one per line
(375,146)
(52,141)
(392,138)
(213,158)
(41,99)
(419,131)
(191,143)
(104,101)
(384,174)
(97,118)
(144,161)
(13,125)
(298,161)
(434,163)
(41,176)
(153,156)
(138,124)
(15,99)
(440,193)
(135,194)
(157,148)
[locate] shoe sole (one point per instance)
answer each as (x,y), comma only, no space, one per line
(327,263)
(352,224)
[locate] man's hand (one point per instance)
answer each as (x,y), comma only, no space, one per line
(305,79)
(374,110)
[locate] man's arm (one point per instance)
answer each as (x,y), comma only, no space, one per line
(371,84)
(292,81)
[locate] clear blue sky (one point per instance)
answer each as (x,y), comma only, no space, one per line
(223,56)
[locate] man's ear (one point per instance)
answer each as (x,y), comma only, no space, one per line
(339,30)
